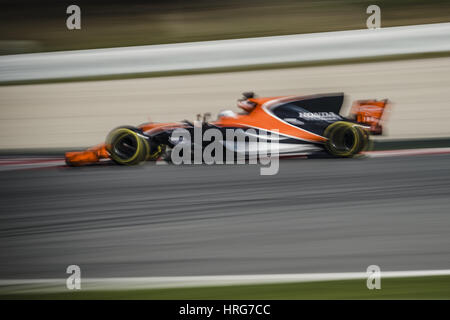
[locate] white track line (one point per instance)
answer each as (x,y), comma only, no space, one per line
(406,152)
(133,283)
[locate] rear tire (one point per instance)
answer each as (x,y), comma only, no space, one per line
(345,139)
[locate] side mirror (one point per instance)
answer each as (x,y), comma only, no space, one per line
(206,116)
(248,94)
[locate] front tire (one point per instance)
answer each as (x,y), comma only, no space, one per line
(127,146)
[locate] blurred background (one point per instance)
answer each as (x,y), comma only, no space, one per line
(315,216)
(30,26)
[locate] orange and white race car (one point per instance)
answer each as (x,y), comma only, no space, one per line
(301,125)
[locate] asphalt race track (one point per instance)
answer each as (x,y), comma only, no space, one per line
(317,215)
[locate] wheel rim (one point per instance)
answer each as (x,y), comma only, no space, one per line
(125,147)
(344,139)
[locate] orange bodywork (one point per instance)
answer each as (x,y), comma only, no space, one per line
(370,112)
(257,114)
(90,155)
(261,118)
(98,152)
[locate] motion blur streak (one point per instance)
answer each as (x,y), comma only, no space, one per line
(227,53)
(116,283)
(81,114)
(314,216)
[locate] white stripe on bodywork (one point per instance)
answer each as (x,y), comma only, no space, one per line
(254,148)
(277,102)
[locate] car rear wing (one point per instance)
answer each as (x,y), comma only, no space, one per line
(369,113)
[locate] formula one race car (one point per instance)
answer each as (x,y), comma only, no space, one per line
(302,125)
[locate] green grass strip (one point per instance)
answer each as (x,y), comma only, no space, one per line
(431,287)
